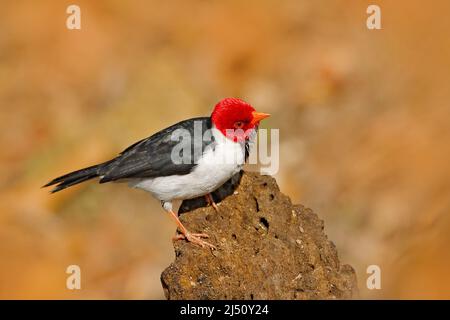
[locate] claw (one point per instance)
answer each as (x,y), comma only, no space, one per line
(214,205)
(195,238)
(210,201)
(186,235)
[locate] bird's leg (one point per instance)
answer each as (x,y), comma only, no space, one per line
(191,237)
(210,201)
(185,234)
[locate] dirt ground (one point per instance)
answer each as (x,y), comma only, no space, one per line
(265,248)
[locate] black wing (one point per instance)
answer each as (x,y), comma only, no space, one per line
(151,157)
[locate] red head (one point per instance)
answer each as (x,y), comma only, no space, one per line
(232,114)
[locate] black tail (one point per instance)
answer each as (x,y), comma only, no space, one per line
(76,177)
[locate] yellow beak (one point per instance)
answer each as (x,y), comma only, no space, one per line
(258,116)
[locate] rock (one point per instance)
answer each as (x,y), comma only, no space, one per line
(267,248)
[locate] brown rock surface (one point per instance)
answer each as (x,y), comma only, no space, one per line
(267,248)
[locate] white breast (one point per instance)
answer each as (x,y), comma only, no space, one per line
(215,167)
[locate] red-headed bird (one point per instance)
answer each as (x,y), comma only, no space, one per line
(173,170)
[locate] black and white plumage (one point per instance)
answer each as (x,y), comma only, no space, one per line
(213,157)
(147,158)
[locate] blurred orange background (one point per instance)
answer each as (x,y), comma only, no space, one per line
(363,118)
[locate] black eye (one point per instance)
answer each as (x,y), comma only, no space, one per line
(238,124)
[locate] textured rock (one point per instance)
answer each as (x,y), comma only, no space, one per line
(267,248)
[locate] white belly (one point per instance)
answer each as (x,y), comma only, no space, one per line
(212,171)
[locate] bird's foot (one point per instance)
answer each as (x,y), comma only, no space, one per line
(195,238)
(210,201)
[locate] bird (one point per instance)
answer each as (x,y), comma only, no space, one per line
(189,159)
